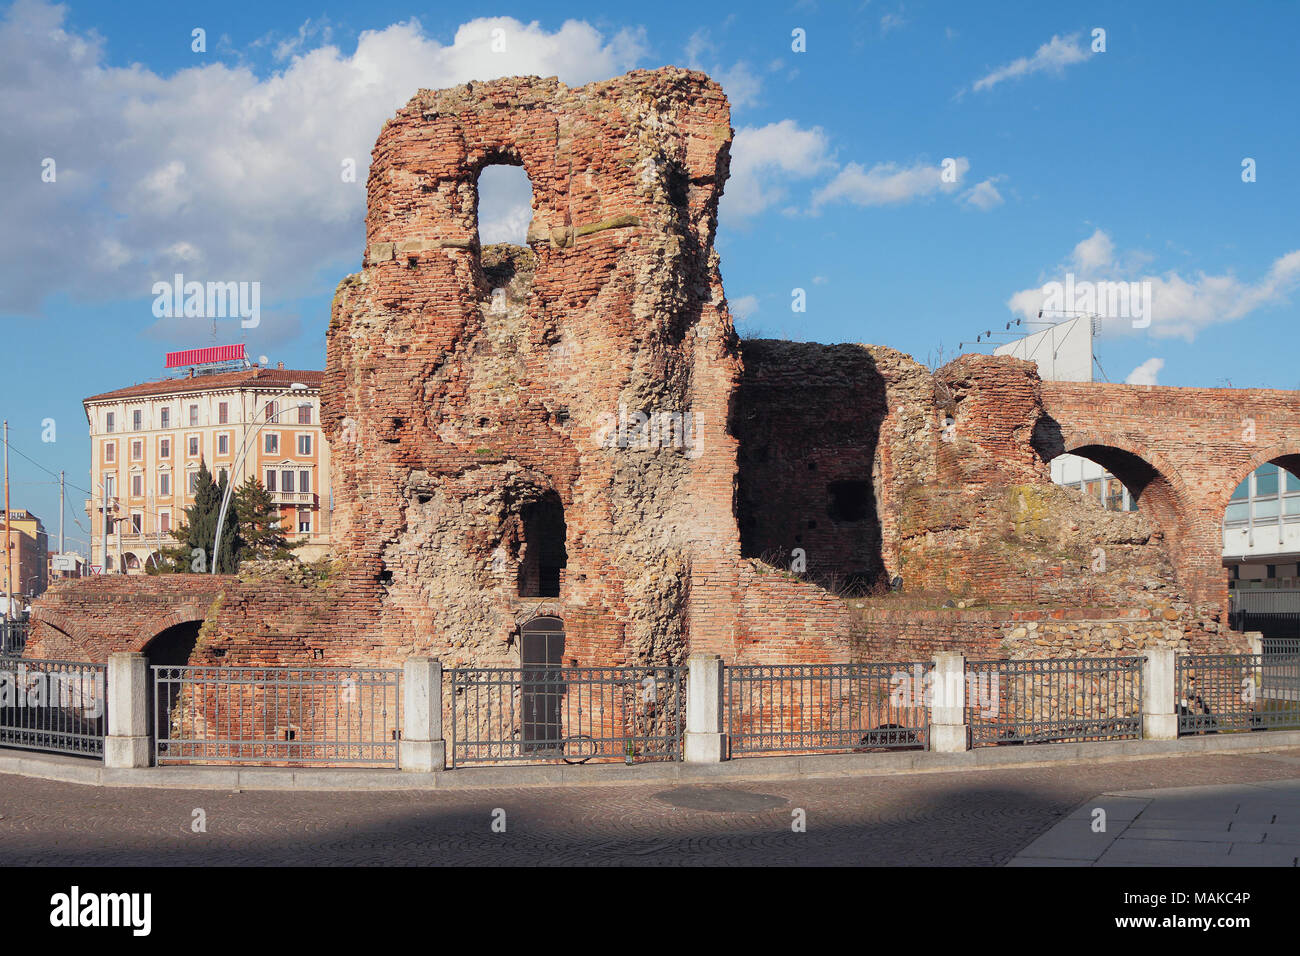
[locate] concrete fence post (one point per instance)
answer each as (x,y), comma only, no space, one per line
(422,748)
(1159,696)
(948,730)
(127,743)
(705,742)
(1256,641)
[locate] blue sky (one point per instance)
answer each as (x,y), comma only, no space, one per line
(1122,165)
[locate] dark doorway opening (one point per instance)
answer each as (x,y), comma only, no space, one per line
(541,652)
(170,648)
(542,554)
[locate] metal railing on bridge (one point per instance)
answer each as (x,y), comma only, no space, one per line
(1053,701)
(784,708)
(55,706)
(13,637)
(348,716)
(542,714)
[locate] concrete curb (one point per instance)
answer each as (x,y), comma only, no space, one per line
(93,773)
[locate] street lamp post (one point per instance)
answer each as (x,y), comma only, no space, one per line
(235,470)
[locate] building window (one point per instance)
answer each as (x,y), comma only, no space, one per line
(194,414)
(270,479)
(137,523)
(165,521)
(304,414)
(165,448)
(137,486)
(109,421)
(110,486)
(304,482)
(304,522)
(194,446)
(272,444)
(286,481)
(110,451)
(304,444)
(193,482)
(222,476)
(165,418)
(165,485)
(137,420)
(137,451)
(271,410)
(223,444)
(223,413)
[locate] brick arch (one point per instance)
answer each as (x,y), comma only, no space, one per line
(185,614)
(1285,455)
(68,640)
(1161,494)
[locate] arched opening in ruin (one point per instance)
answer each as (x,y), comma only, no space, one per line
(1148,489)
(542,554)
(541,655)
(169,648)
(1261,547)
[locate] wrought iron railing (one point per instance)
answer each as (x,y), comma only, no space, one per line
(1053,701)
(783,708)
(13,637)
(570,714)
(1233,692)
(277,715)
(56,706)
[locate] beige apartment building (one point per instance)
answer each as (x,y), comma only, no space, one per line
(148,440)
(28,549)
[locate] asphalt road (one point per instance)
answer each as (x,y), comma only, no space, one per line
(967,818)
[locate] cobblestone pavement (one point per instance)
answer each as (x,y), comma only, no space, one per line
(966,818)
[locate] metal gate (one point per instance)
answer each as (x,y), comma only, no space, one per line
(55,706)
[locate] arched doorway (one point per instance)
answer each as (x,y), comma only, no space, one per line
(541,654)
(169,648)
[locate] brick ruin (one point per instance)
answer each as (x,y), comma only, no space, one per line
(573,429)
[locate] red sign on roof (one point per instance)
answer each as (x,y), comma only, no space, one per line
(219,353)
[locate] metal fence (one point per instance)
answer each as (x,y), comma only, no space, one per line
(1053,701)
(1233,692)
(57,706)
(13,637)
(277,715)
(574,714)
(782,708)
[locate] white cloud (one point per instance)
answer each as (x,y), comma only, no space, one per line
(891,21)
(744,307)
(1095,252)
(1181,306)
(1052,57)
(1146,373)
(214,166)
(887,183)
(740,81)
(984,196)
(765,159)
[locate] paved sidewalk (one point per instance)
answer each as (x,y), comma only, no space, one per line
(976,817)
(1236,824)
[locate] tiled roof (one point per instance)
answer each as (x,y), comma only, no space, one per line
(262,378)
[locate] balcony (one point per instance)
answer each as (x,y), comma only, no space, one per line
(93,504)
(293,497)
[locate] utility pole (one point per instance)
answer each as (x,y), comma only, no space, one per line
(61,574)
(9,568)
(103,528)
